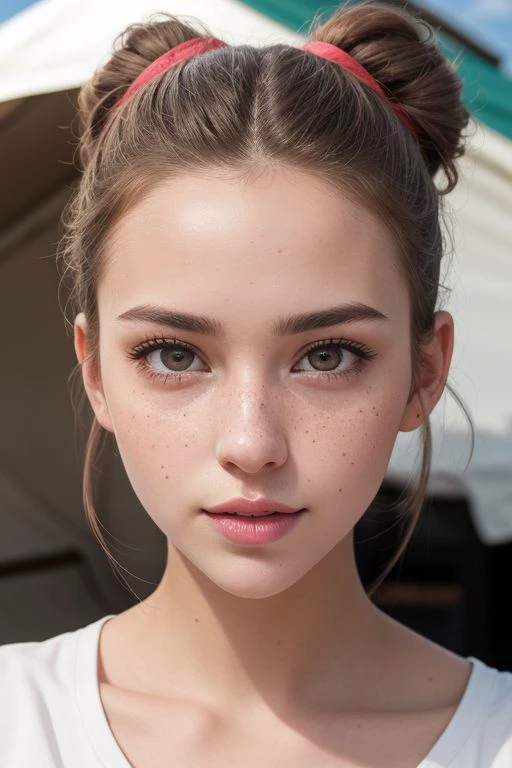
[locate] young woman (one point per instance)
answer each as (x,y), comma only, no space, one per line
(255,251)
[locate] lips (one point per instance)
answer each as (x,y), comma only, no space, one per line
(251,508)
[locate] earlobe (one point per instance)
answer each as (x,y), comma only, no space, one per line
(90,373)
(432,374)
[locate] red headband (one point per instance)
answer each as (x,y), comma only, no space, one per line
(181,52)
(345,60)
(200,45)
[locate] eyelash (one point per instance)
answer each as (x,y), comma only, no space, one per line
(140,352)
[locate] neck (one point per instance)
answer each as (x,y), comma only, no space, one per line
(195,639)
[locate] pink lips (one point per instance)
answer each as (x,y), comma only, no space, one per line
(244,521)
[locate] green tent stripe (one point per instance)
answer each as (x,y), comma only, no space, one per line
(295,14)
(487,92)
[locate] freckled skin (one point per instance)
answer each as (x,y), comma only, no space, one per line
(242,407)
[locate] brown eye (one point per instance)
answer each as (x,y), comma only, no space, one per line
(326,358)
(335,358)
(176,359)
(173,358)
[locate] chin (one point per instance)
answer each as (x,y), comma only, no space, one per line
(254,580)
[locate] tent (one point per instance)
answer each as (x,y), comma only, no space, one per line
(46,52)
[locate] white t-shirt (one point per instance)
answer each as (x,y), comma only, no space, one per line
(51,715)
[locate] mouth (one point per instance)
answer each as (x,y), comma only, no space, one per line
(248,517)
(248,508)
(267,514)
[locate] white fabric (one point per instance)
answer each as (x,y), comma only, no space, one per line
(51,715)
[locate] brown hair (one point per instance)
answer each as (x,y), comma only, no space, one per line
(245,108)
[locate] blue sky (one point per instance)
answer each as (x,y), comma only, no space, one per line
(10,7)
(488,21)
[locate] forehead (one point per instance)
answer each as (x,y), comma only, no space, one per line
(282,240)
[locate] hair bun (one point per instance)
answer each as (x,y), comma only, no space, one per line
(400,52)
(135,49)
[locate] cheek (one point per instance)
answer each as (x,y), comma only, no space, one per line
(158,448)
(345,453)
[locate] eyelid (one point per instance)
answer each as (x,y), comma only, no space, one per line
(358,348)
(153,342)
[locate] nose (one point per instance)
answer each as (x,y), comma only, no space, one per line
(251,436)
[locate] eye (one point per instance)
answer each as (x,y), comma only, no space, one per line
(327,357)
(164,357)
(336,357)
(173,358)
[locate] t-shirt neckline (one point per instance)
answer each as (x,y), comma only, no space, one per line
(94,718)
(110,755)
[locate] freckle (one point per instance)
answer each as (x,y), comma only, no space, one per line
(340,490)
(196,621)
(183,414)
(376,413)
(366,434)
(167,477)
(162,466)
(361,410)
(153,445)
(186,445)
(344,454)
(307,432)
(313,441)
(352,463)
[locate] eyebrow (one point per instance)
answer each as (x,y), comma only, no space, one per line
(284,326)
(180,320)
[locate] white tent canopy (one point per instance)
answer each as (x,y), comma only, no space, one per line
(56,45)
(480,280)
(42,53)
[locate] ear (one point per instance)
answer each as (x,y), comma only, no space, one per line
(91,374)
(431,377)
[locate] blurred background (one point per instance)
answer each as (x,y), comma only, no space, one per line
(453,583)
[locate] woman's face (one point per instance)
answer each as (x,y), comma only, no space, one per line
(270,396)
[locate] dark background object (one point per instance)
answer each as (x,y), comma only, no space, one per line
(448,585)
